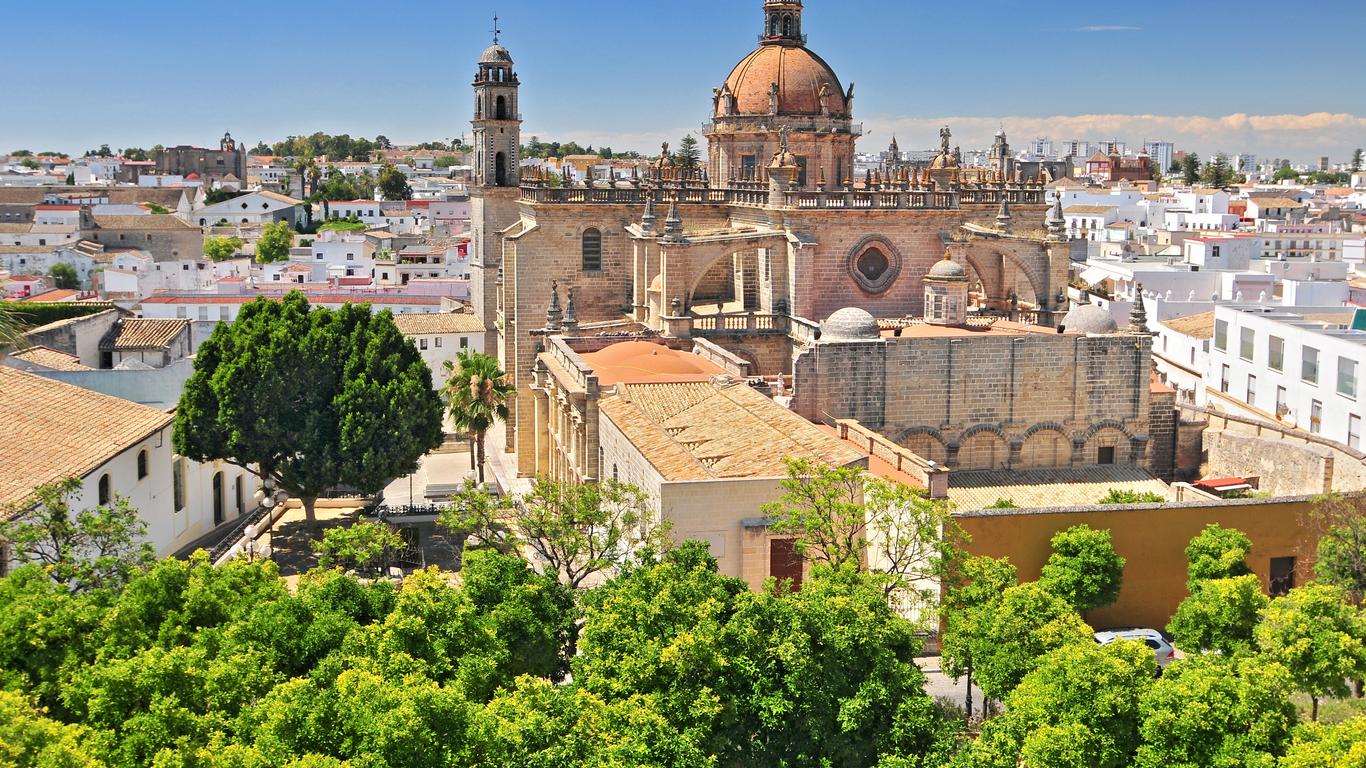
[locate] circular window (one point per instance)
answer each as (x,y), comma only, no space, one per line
(874,265)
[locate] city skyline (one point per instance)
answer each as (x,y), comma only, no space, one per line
(605,76)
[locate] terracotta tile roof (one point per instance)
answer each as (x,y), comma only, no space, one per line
(644,362)
(1276,202)
(78,430)
(438,322)
(717,429)
(143,333)
(1089,209)
(1042,488)
(48,357)
(1199,326)
(149,221)
(56,294)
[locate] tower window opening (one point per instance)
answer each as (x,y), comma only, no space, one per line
(500,171)
(592,250)
(501,108)
(787,26)
(775,26)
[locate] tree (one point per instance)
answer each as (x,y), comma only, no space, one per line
(311,399)
(689,156)
(1328,746)
(1219,173)
(1118,496)
(64,275)
(275,241)
(30,163)
(382,142)
(1009,638)
(1216,711)
(580,531)
(85,549)
(1318,637)
(1286,173)
(364,544)
(1219,615)
(11,327)
(1216,553)
(1190,169)
(222,248)
(393,185)
(1341,562)
(845,518)
(1081,700)
(976,585)
(28,739)
(1084,569)
(1355,165)
(477,393)
(103,151)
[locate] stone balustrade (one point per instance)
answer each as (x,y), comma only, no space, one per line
(756,194)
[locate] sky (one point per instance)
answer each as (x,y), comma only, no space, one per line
(1259,76)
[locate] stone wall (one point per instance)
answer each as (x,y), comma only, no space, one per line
(1285,460)
(989,400)
(1162,426)
(79,336)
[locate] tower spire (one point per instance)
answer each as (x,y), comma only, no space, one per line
(782,23)
(496,30)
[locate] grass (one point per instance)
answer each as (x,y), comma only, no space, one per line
(1331,711)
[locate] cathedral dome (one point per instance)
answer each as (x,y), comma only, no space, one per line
(495,54)
(801,77)
(850,323)
(1089,318)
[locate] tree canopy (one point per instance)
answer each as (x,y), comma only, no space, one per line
(1084,569)
(218,248)
(311,398)
(64,275)
(275,241)
(393,185)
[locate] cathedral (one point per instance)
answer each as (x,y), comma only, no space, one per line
(842,290)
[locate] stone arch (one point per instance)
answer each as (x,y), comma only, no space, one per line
(925,442)
(991,282)
(1107,442)
(994,279)
(716,269)
(983,447)
(1045,445)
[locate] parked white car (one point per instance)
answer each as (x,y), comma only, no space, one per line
(1162,650)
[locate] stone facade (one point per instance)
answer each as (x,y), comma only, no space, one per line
(211,164)
(991,400)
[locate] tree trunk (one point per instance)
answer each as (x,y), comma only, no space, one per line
(309,514)
(474,454)
(480,442)
(967,698)
(1315,715)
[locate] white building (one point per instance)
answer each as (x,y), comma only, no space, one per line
(252,209)
(1301,367)
(442,336)
(116,448)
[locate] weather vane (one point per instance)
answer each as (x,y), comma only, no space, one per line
(496,30)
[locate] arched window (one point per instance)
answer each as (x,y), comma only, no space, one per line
(592,250)
(501,108)
(105,495)
(787,26)
(142,464)
(775,26)
(500,171)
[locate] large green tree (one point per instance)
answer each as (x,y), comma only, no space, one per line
(1009,639)
(689,154)
(1190,168)
(1082,701)
(1216,553)
(1219,615)
(1318,637)
(1209,710)
(222,248)
(1328,746)
(1355,165)
(1084,568)
(310,398)
(1218,173)
(477,393)
(275,241)
(976,584)
(393,185)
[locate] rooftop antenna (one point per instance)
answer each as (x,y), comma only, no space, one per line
(496,30)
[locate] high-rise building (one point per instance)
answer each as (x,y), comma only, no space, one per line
(1162,153)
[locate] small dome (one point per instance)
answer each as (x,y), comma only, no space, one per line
(850,323)
(495,54)
(1088,318)
(948,268)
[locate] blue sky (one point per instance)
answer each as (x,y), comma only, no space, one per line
(1212,76)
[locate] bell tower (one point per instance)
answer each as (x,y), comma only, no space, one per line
(782,23)
(497,122)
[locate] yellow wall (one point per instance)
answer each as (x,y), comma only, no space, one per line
(1153,541)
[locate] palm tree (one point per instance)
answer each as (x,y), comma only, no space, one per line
(11,328)
(476,392)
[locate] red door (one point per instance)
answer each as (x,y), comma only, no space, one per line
(784,562)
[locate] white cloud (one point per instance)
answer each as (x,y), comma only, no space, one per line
(1298,137)
(1108,28)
